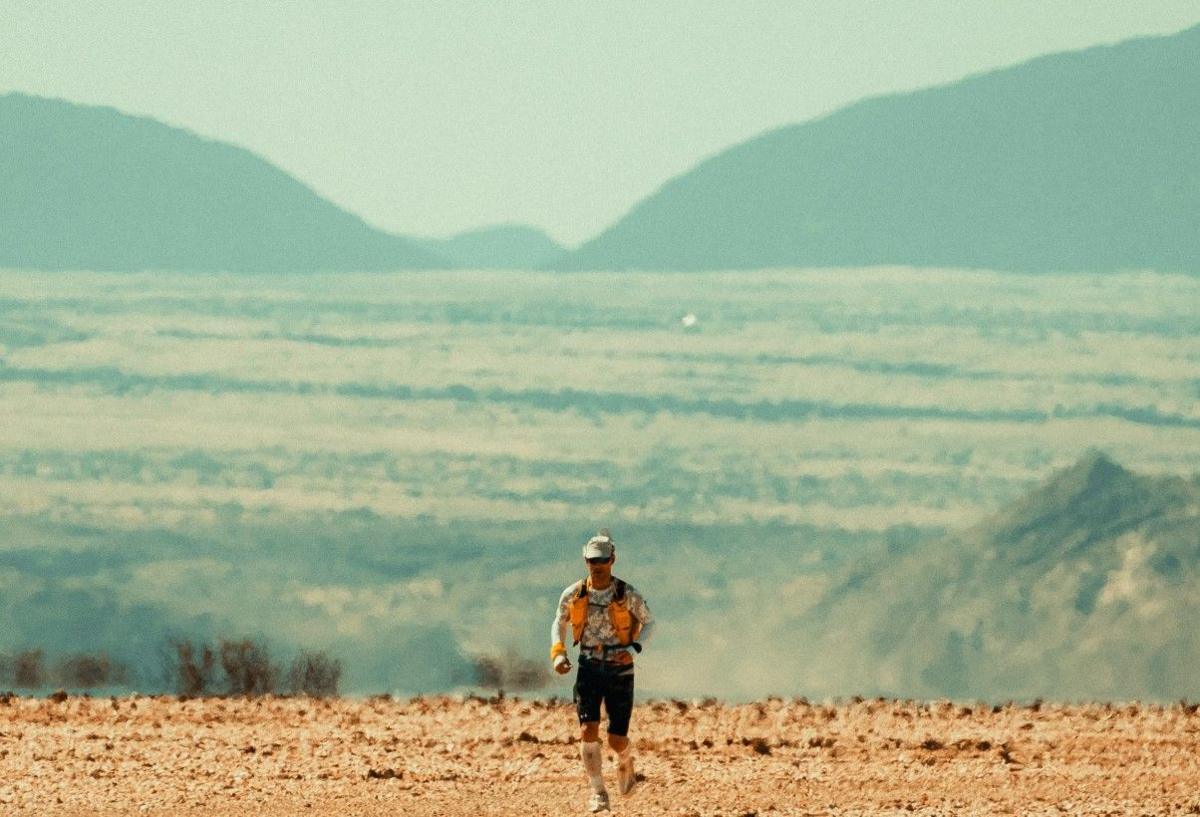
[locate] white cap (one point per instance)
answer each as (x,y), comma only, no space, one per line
(599,546)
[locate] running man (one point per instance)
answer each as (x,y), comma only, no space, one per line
(610,621)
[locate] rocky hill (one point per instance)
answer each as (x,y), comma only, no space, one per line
(1084,588)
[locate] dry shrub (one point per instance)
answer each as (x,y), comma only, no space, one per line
(384,774)
(29,669)
(193,668)
(759,745)
(88,671)
(314,674)
(246,665)
(248,668)
(510,671)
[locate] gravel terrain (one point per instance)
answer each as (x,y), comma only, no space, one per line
(454,756)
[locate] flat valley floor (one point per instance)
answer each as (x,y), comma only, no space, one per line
(454,756)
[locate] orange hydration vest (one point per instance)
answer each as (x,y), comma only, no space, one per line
(623,621)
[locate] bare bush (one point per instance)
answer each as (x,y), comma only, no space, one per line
(88,671)
(193,666)
(314,674)
(248,668)
(29,669)
(510,671)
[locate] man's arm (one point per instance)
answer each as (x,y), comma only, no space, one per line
(637,606)
(558,632)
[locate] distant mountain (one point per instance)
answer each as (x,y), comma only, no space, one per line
(1074,161)
(1085,588)
(505,246)
(91,188)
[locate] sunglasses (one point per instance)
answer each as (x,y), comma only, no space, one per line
(599,560)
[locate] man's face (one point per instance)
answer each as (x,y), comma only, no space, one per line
(600,570)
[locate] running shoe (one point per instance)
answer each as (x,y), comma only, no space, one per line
(626,777)
(598,801)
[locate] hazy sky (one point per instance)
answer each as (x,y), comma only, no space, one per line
(436,116)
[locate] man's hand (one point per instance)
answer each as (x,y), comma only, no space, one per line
(562,665)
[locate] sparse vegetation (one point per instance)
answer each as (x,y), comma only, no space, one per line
(247,667)
(88,671)
(29,669)
(511,671)
(193,668)
(314,674)
(244,667)
(26,669)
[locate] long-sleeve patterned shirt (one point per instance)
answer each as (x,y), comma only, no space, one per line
(598,628)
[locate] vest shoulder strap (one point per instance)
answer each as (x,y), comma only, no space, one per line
(581,589)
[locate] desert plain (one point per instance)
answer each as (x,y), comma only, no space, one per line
(138,755)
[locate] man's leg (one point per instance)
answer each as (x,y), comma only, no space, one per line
(588,694)
(626,775)
(590,752)
(618,703)
(618,743)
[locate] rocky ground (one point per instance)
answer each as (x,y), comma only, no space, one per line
(443,756)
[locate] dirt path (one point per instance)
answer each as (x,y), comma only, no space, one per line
(440,756)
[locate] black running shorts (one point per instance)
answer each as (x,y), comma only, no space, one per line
(595,683)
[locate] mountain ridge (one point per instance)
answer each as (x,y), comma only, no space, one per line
(90,187)
(1022,168)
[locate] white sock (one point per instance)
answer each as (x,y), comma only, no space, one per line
(592,759)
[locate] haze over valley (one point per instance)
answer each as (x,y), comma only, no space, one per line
(400,469)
